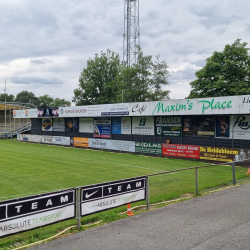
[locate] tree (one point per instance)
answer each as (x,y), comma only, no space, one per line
(9,98)
(144,80)
(60,103)
(45,101)
(26,97)
(97,82)
(226,73)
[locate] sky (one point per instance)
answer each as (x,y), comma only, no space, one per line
(45,44)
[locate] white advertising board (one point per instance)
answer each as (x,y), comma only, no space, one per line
(25,113)
(36,211)
(240,125)
(86,125)
(143,125)
(99,143)
(198,106)
(128,146)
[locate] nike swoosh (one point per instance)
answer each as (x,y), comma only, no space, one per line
(89,195)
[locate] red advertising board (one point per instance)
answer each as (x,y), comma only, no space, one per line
(177,150)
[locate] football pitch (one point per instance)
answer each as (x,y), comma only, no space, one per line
(29,169)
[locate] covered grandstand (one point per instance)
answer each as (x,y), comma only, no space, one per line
(10,126)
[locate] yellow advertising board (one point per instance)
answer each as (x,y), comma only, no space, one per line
(80,142)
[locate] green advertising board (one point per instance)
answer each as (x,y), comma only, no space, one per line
(148,148)
(168,126)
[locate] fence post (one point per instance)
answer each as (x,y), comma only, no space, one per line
(233,170)
(147,192)
(196,181)
(78,208)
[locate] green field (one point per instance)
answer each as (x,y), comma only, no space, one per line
(28,169)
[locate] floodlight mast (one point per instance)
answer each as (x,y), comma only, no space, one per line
(131,37)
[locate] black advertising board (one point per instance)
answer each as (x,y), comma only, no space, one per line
(100,197)
(27,213)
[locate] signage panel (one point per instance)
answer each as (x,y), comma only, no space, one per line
(241,127)
(148,148)
(86,125)
(47,124)
(58,124)
(102,127)
(223,154)
(71,124)
(223,126)
(177,150)
(143,125)
(36,211)
(128,146)
(25,113)
(109,195)
(121,125)
(168,126)
(80,142)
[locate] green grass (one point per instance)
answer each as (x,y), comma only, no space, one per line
(28,169)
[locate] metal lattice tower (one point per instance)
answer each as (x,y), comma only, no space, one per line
(131,37)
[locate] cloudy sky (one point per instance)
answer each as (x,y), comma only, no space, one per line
(45,44)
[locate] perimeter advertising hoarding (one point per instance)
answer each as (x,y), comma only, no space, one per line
(148,148)
(223,154)
(121,125)
(86,125)
(36,211)
(128,146)
(168,126)
(102,127)
(25,113)
(58,140)
(143,125)
(177,150)
(108,195)
(81,142)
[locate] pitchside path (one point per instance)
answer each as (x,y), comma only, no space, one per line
(220,220)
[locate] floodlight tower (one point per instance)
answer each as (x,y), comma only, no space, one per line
(131,37)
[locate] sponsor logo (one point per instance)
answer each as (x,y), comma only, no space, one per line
(139,109)
(47,124)
(91,194)
(142,122)
(26,112)
(241,122)
(246,100)
(61,111)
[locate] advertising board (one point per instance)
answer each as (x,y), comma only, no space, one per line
(80,142)
(47,124)
(148,148)
(186,151)
(36,211)
(71,124)
(58,124)
(25,113)
(168,126)
(143,125)
(86,125)
(223,154)
(102,127)
(240,125)
(121,125)
(108,195)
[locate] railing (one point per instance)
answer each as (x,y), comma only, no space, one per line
(196,176)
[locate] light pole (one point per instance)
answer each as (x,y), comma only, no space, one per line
(5,109)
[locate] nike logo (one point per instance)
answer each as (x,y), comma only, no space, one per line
(89,195)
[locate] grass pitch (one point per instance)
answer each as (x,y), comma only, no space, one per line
(28,169)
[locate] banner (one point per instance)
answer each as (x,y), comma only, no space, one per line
(86,125)
(223,154)
(47,124)
(27,213)
(102,127)
(198,127)
(168,126)
(143,125)
(80,142)
(223,126)
(186,151)
(99,143)
(108,195)
(121,125)
(148,148)
(58,124)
